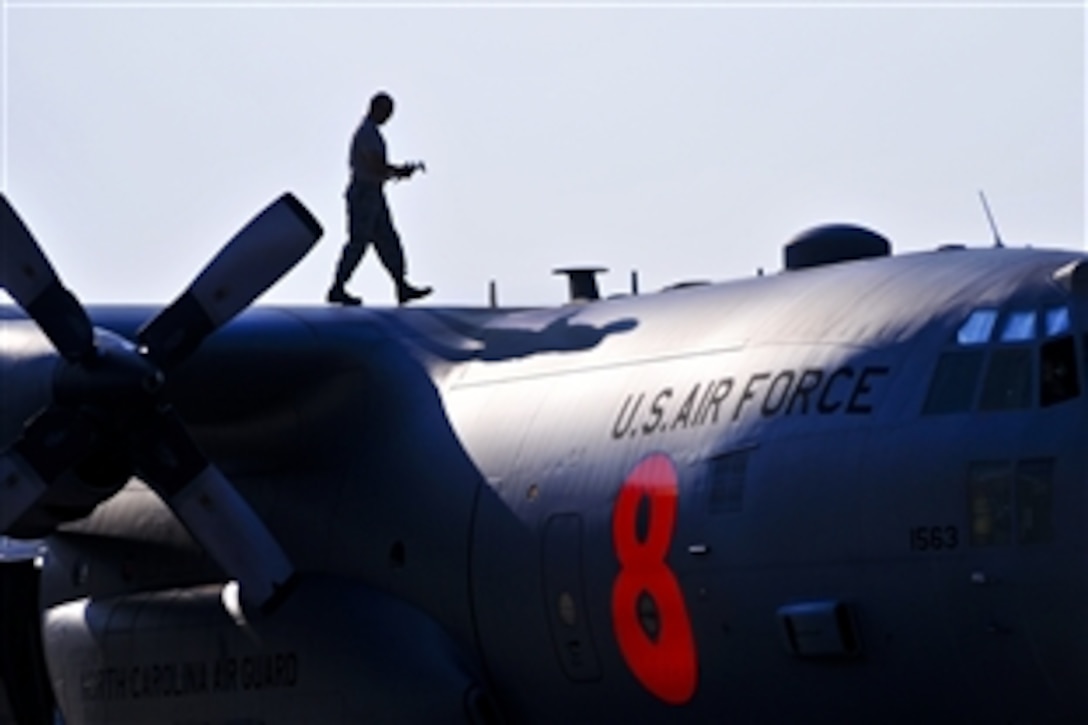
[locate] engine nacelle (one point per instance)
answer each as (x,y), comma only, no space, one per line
(336,652)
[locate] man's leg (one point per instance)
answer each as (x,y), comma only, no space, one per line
(361,215)
(391,254)
(350,256)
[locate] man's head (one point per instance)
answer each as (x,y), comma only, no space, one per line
(381,108)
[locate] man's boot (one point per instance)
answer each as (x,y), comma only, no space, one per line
(339,296)
(406,292)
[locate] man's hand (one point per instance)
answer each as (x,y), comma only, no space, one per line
(405,171)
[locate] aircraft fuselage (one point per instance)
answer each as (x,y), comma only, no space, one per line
(837,494)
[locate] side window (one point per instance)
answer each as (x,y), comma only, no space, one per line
(1007,503)
(954,382)
(1034,501)
(727,475)
(1058,379)
(1008,380)
(989,503)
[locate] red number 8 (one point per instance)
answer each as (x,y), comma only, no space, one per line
(665,663)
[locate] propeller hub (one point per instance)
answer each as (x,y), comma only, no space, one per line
(116,377)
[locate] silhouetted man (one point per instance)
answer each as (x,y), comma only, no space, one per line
(368,213)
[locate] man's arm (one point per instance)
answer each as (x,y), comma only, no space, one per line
(405,171)
(378,166)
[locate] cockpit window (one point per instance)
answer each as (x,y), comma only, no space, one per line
(1008,380)
(978,328)
(954,383)
(1014,353)
(1057,321)
(1058,378)
(1019,327)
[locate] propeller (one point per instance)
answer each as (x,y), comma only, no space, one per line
(30,280)
(110,418)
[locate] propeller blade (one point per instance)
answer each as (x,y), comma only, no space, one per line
(232,533)
(213,511)
(262,252)
(30,280)
(20,488)
(53,443)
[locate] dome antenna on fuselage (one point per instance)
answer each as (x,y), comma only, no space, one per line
(998,242)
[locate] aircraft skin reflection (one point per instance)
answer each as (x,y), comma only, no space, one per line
(759,501)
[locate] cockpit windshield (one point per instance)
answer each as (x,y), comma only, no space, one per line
(1009,359)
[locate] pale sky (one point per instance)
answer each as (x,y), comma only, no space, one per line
(687,142)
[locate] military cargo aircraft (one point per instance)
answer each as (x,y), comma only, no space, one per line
(851,491)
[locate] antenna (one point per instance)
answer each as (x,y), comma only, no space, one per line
(998,242)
